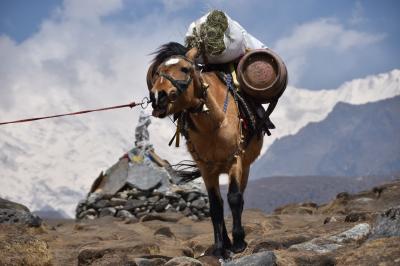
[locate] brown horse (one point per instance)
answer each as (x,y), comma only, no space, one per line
(214,135)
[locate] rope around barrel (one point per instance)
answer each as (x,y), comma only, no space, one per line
(144,103)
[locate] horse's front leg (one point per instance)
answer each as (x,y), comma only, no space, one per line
(222,243)
(237,183)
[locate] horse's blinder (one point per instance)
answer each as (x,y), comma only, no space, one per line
(180,85)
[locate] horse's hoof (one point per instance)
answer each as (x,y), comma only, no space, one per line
(221,253)
(239,246)
(228,244)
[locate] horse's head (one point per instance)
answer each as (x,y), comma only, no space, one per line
(173,87)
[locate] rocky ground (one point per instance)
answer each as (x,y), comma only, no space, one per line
(359,229)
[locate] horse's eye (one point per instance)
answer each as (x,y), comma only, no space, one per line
(185,70)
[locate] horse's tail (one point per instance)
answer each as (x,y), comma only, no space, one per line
(185,171)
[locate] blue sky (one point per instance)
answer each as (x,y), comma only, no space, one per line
(363,36)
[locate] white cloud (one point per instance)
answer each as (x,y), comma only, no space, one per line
(325,33)
(176,5)
(89,9)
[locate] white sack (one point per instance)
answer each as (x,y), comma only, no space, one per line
(236,40)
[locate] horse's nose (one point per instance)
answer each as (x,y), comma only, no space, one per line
(158,98)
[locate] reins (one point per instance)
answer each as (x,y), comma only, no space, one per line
(144,103)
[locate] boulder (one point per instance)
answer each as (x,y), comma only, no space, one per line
(183,261)
(155,177)
(387,224)
(266,258)
(15,213)
(132,204)
(109,211)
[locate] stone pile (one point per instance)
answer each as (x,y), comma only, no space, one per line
(141,182)
(132,203)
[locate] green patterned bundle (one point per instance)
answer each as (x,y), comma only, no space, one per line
(210,39)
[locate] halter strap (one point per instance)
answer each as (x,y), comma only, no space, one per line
(180,85)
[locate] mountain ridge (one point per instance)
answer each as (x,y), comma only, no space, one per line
(353,140)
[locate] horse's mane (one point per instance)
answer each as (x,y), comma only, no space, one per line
(167,50)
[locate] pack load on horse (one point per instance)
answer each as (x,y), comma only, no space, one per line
(219,113)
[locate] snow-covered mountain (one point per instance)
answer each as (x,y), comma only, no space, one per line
(352,141)
(298,107)
(53,162)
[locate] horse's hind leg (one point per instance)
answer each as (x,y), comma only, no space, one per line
(237,184)
(221,238)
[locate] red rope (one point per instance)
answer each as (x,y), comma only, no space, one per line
(131,105)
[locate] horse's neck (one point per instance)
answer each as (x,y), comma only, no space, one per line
(216,93)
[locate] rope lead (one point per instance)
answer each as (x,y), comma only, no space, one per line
(144,103)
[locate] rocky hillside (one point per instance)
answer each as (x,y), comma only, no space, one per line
(269,193)
(353,140)
(352,229)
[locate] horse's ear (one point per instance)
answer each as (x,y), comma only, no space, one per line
(192,54)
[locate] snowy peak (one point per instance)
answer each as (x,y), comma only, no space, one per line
(354,140)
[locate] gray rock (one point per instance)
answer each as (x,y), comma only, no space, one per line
(183,261)
(109,211)
(132,204)
(117,202)
(123,194)
(92,212)
(165,231)
(93,197)
(327,244)
(199,203)
(181,204)
(153,199)
(115,177)
(101,204)
(387,224)
(161,205)
(313,245)
(155,177)
(142,197)
(186,212)
(172,196)
(191,196)
(149,262)
(124,214)
(131,220)
(141,214)
(6,204)
(10,216)
(355,233)
(266,258)
(165,217)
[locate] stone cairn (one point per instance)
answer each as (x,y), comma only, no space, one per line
(142,183)
(133,203)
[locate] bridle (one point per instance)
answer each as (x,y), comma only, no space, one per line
(180,85)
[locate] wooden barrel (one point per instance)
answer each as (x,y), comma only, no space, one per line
(262,75)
